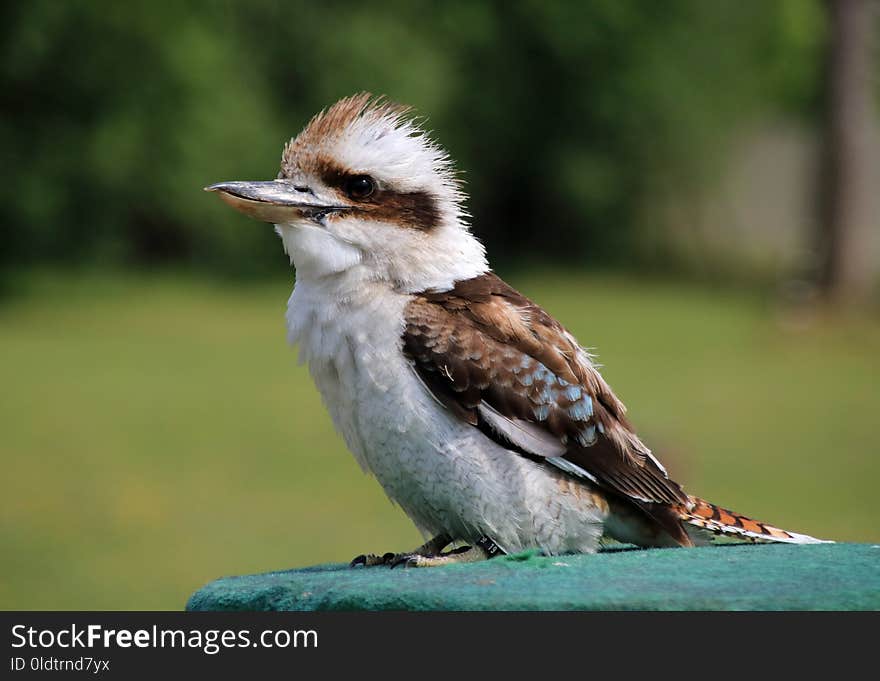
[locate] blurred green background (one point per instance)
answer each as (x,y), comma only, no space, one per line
(652,173)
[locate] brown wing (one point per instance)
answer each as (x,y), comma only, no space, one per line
(505,366)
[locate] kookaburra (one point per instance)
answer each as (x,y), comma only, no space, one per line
(479,414)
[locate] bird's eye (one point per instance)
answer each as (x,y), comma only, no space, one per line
(360,187)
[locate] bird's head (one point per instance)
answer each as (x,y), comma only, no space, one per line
(363,188)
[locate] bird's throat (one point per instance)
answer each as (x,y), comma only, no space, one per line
(316,253)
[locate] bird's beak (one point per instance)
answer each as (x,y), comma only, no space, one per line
(276,201)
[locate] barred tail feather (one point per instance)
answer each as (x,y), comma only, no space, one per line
(707,523)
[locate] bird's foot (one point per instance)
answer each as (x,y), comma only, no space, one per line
(371,559)
(431,547)
(431,554)
(462,554)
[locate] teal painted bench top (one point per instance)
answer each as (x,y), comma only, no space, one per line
(742,577)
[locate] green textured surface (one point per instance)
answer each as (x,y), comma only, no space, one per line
(765,577)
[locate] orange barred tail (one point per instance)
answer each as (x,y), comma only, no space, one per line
(708,523)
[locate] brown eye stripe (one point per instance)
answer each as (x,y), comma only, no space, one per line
(416,210)
(331,173)
(412,209)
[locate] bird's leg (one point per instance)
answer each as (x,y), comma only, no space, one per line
(432,547)
(481,550)
(463,554)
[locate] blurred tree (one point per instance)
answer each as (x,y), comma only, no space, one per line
(843,244)
(115,115)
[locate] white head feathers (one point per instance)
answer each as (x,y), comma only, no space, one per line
(410,229)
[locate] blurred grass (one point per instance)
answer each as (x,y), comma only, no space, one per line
(157,432)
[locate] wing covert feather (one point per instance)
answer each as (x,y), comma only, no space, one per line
(502,364)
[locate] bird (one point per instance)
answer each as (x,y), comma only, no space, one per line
(480,415)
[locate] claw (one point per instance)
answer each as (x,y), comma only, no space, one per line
(369,560)
(426,554)
(405,559)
